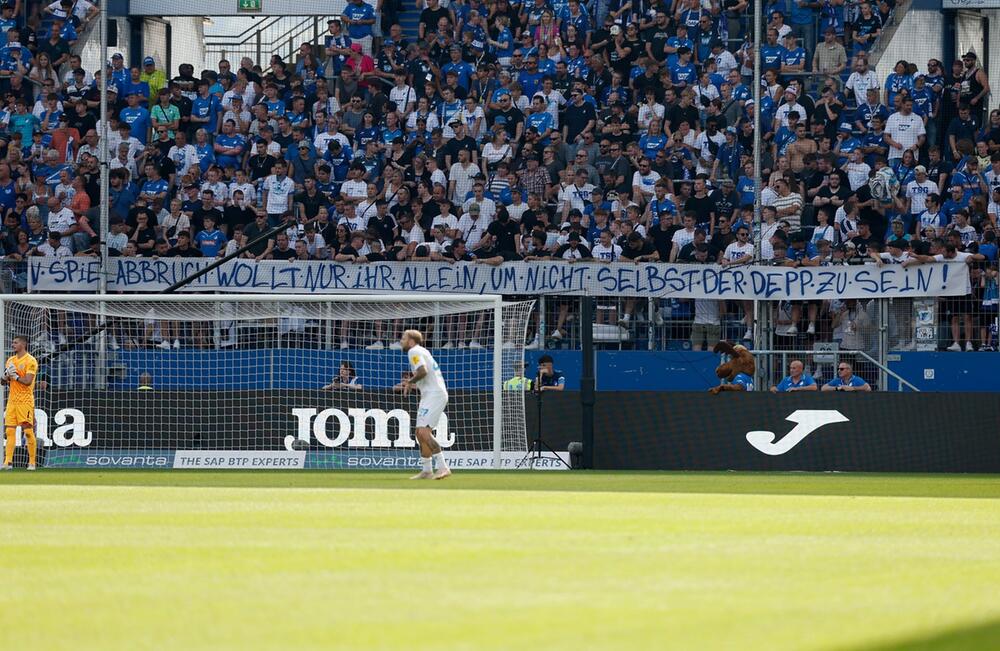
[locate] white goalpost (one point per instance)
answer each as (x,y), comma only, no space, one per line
(266,381)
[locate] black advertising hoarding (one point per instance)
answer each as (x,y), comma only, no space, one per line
(864,432)
(871,432)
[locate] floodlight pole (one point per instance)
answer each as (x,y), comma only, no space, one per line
(100,376)
(102,150)
(760,323)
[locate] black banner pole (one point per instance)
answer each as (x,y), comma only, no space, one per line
(587,396)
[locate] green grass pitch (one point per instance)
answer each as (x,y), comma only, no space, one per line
(133,560)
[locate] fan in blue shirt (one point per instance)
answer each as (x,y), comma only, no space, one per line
(846,380)
(677,42)
(139,88)
(230,141)
(463,70)
(771,56)
(541,121)
(793,57)
(211,240)
(206,105)
(796,380)
(743,380)
(137,118)
(359,10)
(531,82)
(153,188)
(652,144)
(683,75)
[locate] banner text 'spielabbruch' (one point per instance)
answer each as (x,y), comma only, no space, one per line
(651,280)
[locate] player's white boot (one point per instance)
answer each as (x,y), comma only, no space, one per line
(6,466)
(424,474)
(441,473)
(31,466)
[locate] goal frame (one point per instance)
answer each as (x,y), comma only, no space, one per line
(492,302)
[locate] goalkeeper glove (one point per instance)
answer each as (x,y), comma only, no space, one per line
(11,372)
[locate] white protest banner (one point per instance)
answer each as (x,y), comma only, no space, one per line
(651,280)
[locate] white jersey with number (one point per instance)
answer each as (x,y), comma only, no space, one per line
(432,384)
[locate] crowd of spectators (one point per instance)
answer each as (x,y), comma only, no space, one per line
(616,131)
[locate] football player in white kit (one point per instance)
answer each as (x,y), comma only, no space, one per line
(426,376)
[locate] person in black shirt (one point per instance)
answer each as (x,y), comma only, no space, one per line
(183,104)
(459,142)
(236,215)
(308,201)
(864,238)
(639,250)
(510,117)
(662,235)
(700,202)
(457,252)
(261,164)
(506,232)
(282,251)
(490,253)
(208,207)
(572,249)
(183,248)
(686,253)
(382,223)
(430,17)
(726,199)
(579,116)
(80,118)
(871,212)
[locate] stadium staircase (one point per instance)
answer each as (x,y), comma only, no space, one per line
(409,20)
(282,35)
(888,32)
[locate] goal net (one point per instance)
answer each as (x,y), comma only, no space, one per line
(276,381)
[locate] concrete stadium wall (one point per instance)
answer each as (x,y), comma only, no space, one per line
(920,37)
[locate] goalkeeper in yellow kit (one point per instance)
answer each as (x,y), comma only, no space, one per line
(19,374)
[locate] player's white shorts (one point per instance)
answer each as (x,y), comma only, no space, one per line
(430,409)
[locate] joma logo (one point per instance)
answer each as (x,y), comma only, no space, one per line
(333,428)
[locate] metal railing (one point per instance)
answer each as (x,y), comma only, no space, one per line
(280,35)
(821,363)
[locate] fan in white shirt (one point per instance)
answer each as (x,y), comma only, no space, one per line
(403,95)
(904,130)
(487,207)
(184,157)
(919,189)
(449,222)
(472,226)
(739,252)
(861,80)
(605,250)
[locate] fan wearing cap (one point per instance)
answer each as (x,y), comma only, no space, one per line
(975,86)
(119,74)
(898,251)
(137,118)
(153,77)
(362,65)
(914,199)
(573,250)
